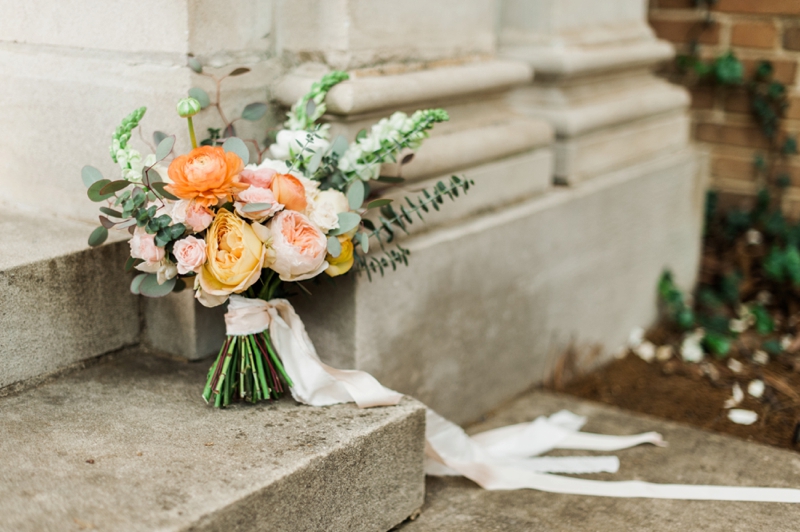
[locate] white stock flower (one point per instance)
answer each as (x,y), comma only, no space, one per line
(290,143)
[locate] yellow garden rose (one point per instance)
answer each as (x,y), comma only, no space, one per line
(341,264)
(235,254)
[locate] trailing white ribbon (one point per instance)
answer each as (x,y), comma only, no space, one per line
(499,459)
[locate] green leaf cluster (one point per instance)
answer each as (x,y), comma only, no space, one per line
(121,136)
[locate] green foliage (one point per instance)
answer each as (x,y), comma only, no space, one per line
(674,302)
(121,136)
(311,106)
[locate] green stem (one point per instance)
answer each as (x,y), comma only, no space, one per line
(275,359)
(191,132)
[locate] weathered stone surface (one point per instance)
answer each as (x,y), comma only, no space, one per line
(348,34)
(692,457)
(574,266)
(129,445)
(582,157)
(179,325)
(61,303)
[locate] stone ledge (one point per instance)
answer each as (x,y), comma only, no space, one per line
(62,302)
(367,94)
(163,460)
(571,117)
(571,61)
(693,456)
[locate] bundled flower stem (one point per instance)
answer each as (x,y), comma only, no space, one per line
(247,368)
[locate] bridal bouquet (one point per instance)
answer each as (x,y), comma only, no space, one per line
(247,233)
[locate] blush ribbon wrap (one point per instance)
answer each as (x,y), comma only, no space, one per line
(506,458)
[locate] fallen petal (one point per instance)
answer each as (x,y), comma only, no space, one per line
(734,365)
(756,388)
(742,417)
(738,397)
(646,351)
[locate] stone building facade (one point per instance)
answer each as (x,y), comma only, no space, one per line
(586,185)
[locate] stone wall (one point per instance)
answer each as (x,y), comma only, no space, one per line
(722,122)
(586,187)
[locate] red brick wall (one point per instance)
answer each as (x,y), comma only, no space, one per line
(754,30)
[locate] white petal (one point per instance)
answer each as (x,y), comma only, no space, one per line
(756,388)
(742,417)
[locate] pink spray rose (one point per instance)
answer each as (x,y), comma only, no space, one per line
(257,177)
(143,246)
(190,252)
(299,247)
(192,214)
(257,195)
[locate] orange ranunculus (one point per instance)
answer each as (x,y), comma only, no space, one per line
(289,192)
(206,175)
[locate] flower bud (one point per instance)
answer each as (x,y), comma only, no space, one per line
(188,107)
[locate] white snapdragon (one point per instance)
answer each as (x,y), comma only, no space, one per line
(289,144)
(131,163)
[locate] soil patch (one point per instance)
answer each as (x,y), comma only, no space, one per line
(696,393)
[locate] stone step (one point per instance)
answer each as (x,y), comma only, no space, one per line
(693,456)
(62,302)
(128,445)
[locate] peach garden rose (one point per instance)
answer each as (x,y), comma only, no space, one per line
(300,247)
(235,255)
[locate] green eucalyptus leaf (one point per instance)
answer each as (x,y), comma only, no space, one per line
(334,246)
(111,212)
(114,186)
(98,236)
(131,263)
(254,111)
(201,96)
(105,222)
(237,146)
(361,135)
(314,162)
(339,145)
(355,194)
(176,231)
(136,283)
(149,286)
(94,191)
(378,203)
(255,207)
(363,238)
(311,107)
(158,136)
(150,175)
(389,179)
(194,64)
(165,147)
(159,187)
(90,175)
(347,222)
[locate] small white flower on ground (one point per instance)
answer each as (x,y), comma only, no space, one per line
(742,417)
(764,297)
(734,365)
(636,337)
(761,357)
(738,397)
(691,350)
(754,237)
(786,342)
(756,388)
(738,326)
(664,353)
(646,351)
